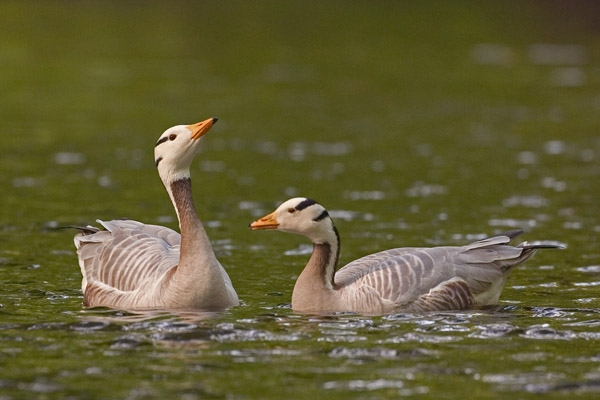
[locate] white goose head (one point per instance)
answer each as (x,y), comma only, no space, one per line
(302,216)
(176,148)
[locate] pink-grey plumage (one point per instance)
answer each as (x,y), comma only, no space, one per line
(131,265)
(396,280)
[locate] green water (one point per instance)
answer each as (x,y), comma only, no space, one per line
(419,123)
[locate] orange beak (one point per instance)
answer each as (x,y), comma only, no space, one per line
(201,128)
(266,222)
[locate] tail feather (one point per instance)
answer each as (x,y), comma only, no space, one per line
(87,230)
(541,245)
(510,234)
(84,230)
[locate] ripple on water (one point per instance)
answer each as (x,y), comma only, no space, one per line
(587,300)
(532,201)
(422,189)
(40,385)
(538,356)
(343,330)
(363,385)
(589,269)
(195,336)
(592,323)
(229,334)
(377,353)
(544,331)
(550,312)
(526,380)
(493,331)
(592,385)
(298,151)
(46,326)
(423,338)
(128,342)
(492,54)
(89,326)
(262,355)
(347,324)
(348,215)
(595,283)
(341,336)
(69,158)
(401,317)
(589,335)
(513,223)
(364,195)
(302,249)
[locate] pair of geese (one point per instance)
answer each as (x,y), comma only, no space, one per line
(133,266)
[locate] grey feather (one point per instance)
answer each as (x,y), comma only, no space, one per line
(414,277)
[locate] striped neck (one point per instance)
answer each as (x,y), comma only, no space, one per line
(195,243)
(180,193)
(324,259)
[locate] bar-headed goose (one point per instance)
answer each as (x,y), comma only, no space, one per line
(131,265)
(396,280)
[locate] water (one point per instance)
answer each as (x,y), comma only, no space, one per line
(414,124)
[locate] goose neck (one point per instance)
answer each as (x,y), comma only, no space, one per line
(193,236)
(324,259)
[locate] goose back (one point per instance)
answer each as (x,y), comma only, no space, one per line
(421,277)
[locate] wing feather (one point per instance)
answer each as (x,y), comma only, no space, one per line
(423,278)
(127,253)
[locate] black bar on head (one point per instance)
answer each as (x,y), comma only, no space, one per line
(305,203)
(321,216)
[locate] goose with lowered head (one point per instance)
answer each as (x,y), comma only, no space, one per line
(396,280)
(131,265)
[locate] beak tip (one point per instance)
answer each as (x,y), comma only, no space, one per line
(262,225)
(201,128)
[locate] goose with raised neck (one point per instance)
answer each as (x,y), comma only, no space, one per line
(131,265)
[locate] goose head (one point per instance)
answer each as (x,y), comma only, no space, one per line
(176,148)
(301,216)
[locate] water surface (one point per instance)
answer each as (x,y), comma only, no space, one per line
(414,124)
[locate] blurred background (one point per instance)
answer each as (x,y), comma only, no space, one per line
(414,123)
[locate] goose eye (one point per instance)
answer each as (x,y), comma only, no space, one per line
(291,210)
(172,136)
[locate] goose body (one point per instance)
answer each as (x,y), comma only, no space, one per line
(131,265)
(395,280)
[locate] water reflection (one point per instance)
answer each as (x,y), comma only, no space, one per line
(172,328)
(145,318)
